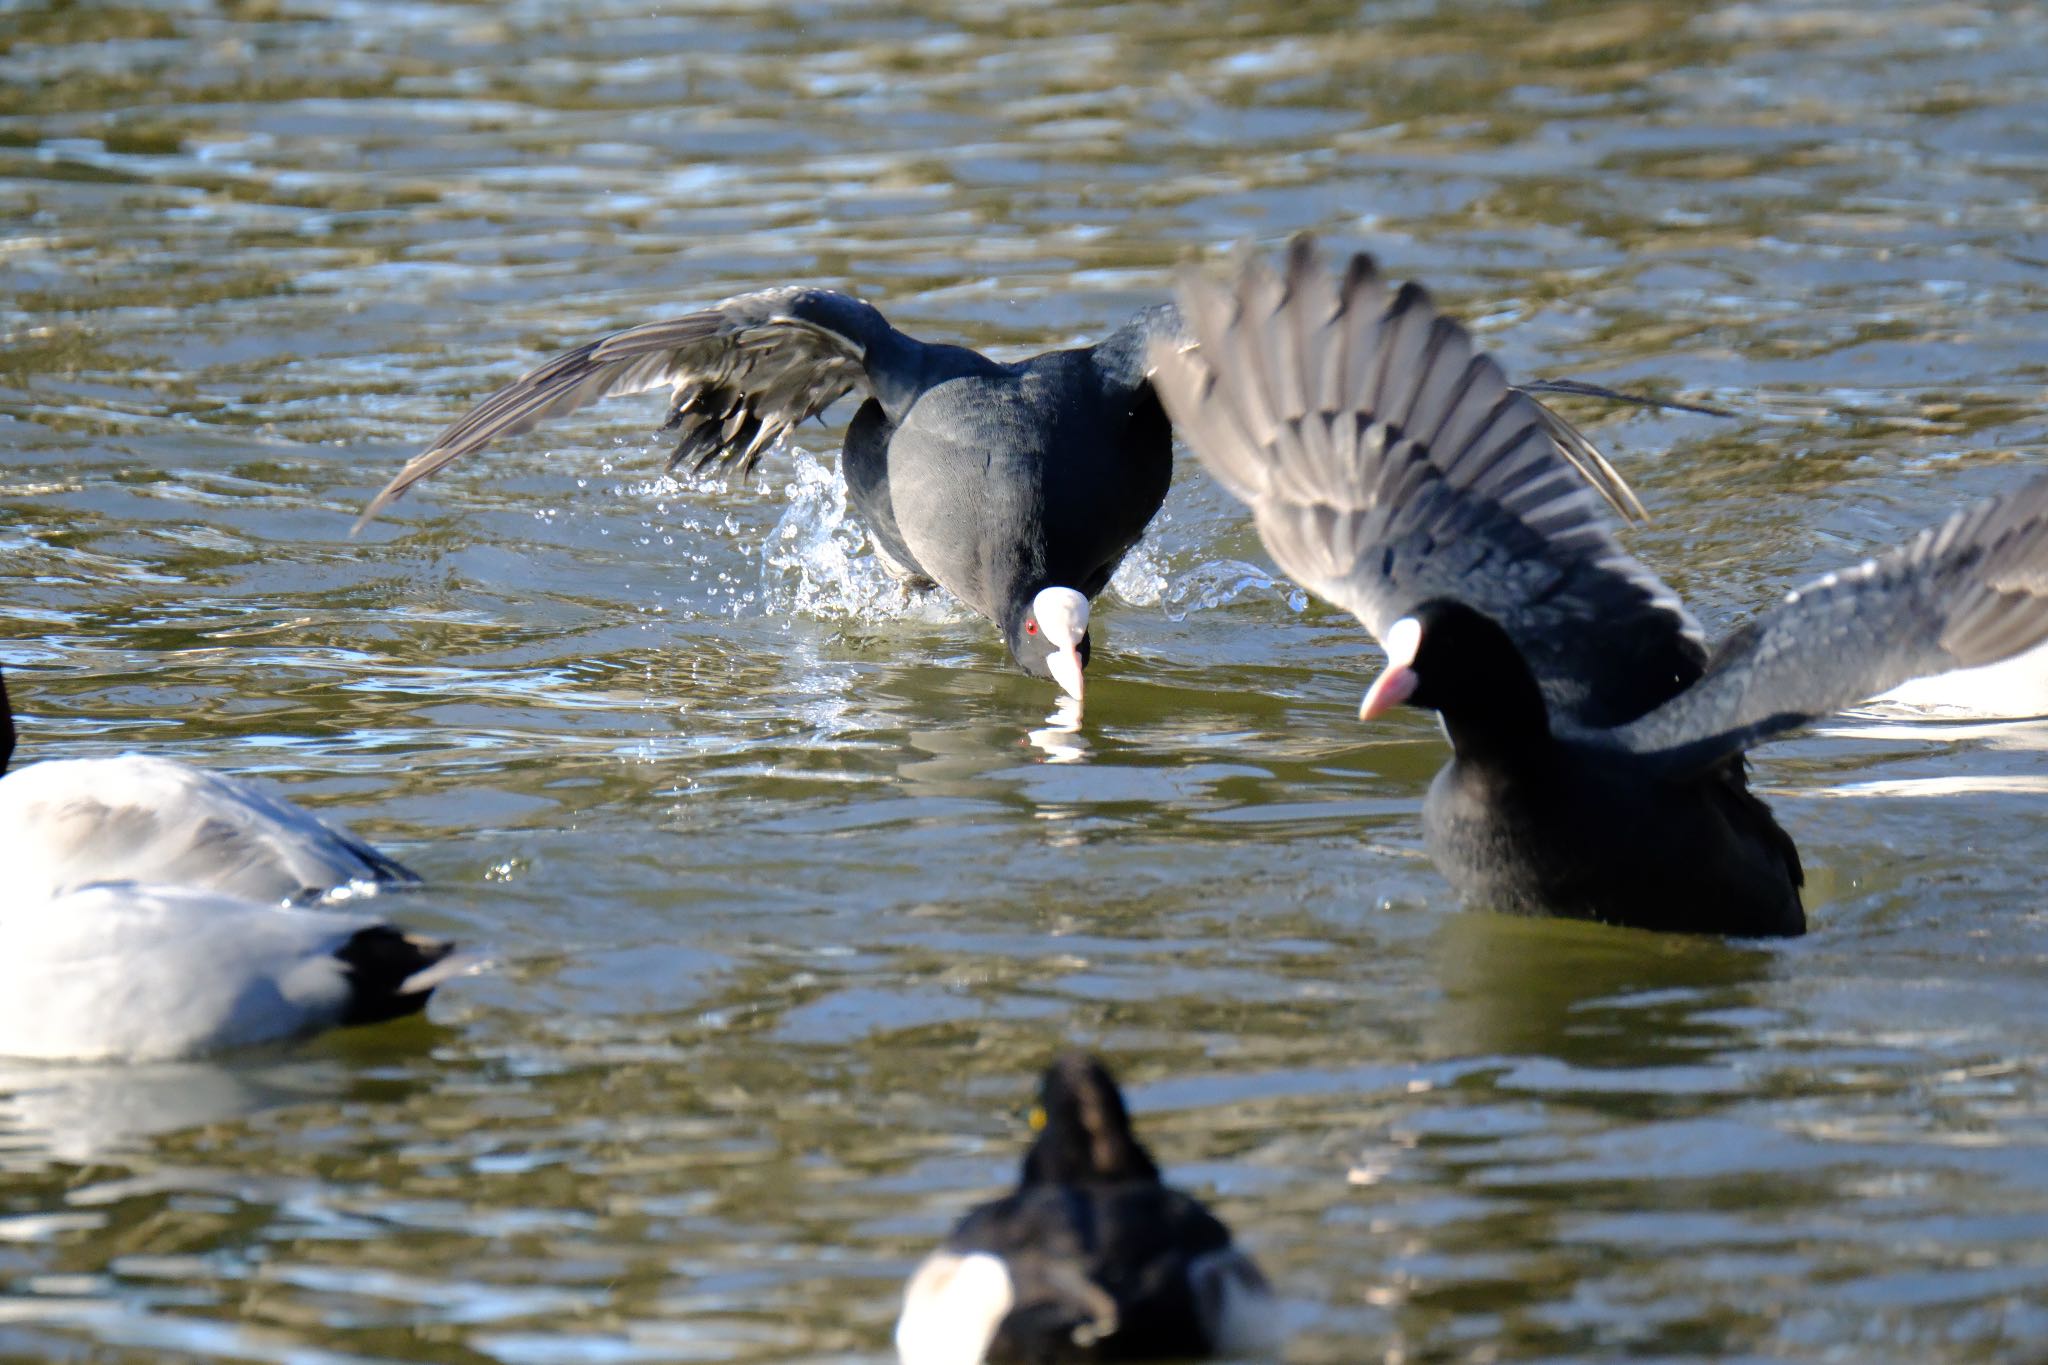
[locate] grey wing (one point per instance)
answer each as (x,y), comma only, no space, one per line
(741,374)
(1387,462)
(1167,325)
(1971,591)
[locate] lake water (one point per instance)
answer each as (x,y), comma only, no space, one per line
(784,909)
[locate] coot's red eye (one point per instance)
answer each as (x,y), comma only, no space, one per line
(1030,627)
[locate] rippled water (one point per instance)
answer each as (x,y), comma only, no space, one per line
(784,908)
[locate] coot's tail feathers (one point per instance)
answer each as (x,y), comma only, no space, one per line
(1971,591)
(1388,463)
(391,973)
(743,373)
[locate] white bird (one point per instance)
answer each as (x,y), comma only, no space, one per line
(124,972)
(2014,689)
(68,823)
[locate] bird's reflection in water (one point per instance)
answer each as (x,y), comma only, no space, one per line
(1591,995)
(84,1112)
(1061,738)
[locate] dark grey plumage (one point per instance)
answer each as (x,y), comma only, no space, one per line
(994,481)
(1596,763)
(743,373)
(392,973)
(6,727)
(1387,462)
(1973,590)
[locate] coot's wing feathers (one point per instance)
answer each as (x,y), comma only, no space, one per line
(1971,591)
(1166,325)
(742,373)
(1387,462)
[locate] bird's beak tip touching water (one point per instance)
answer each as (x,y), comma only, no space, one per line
(1062,614)
(1067,672)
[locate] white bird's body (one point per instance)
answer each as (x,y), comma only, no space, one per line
(124,972)
(2014,689)
(69,823)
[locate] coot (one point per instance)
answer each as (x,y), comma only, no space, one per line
(1596,748)
(1017,487)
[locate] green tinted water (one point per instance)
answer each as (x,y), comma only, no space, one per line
(785,909)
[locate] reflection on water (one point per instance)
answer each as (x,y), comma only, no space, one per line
(788,905)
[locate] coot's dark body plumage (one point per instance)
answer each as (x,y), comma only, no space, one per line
(1597,750)
(1093,1258)
(996,481)
(1530,822)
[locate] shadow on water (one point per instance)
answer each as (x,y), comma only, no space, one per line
(1591,997)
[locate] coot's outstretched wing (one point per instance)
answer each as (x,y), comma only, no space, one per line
(1387,462)
(741,373)
(1166,325)
(1973,590)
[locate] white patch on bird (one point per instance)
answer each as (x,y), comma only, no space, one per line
(1062,614)
(1404,640)
(1239,1312)
(952,1308)
(125,972)
(2014,688)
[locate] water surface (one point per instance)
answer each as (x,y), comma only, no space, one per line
(785,910)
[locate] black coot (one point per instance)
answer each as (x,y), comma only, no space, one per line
(1093,1257)
(1016,487)
(1596,766)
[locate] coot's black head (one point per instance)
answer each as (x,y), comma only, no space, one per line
(1084,1132)
(1048,636)
(1446,657)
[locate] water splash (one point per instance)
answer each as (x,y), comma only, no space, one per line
(1146,579)
(816,559)
(1141,580)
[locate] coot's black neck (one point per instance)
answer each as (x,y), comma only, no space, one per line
(1124,356)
